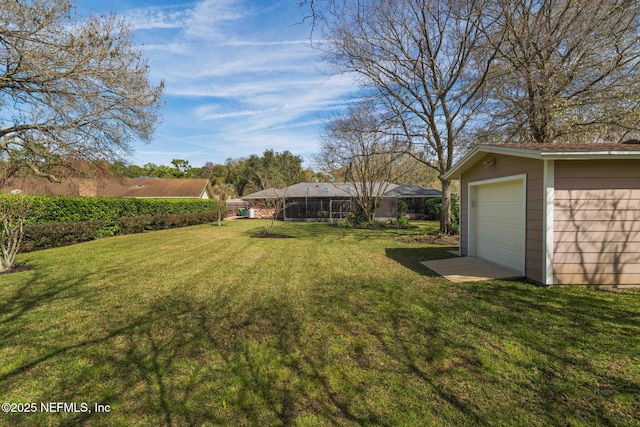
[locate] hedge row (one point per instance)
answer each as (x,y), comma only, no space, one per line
(138,224)
(48,209)
(45,236)
(51,235)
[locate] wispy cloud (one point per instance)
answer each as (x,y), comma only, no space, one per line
(240,78)
(159,17)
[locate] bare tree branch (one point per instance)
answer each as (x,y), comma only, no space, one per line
(567,70)
(425,61)
(69,89)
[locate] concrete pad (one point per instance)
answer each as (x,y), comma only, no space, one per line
(469,269)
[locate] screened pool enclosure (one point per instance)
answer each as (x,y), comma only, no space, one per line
(331,201)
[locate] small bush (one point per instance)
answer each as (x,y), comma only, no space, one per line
(403,208)
(379,224)
(433,210)
(343,223)
(134,224)
(402,223)
(52,235)
(357,217)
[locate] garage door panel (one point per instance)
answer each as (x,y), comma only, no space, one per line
(500,220)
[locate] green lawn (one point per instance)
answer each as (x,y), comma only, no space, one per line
(208,326)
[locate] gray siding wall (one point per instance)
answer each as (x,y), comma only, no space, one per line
(597,222)
(508,166)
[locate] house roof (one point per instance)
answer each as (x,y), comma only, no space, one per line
(630,150)
(128,187)
(317,189)
(269,193)
(413,190)
(41,186)
(342,189)
(155,188)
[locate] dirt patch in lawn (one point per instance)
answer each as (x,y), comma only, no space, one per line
(435,239)
(18,269)
(271,236)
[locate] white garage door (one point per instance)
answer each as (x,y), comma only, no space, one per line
(500,217)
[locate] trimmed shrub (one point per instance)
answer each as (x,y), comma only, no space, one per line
(52,235)
(134,224)
(403,208)
(433,210)
(402,222)
(110,210)
(54,209)
(139,224)
(357,217)
(60,220)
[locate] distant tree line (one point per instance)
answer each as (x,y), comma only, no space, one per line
(242,176)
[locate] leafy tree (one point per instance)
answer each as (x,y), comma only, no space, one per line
(309,175)
(253,173)
(236,176)
(182,168)
(121,169)
(69,89)
(215,173)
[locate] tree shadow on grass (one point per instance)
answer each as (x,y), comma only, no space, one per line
(341,351)
(578,347)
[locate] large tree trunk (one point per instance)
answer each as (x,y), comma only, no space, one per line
(445,216)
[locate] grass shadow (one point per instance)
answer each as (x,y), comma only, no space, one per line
(411,257)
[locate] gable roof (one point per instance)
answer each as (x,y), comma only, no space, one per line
(269,193)
(127,187)
(413,190)
(546,152)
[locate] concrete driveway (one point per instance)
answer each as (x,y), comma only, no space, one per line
(469,269)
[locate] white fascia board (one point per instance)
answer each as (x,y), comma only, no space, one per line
(589,155)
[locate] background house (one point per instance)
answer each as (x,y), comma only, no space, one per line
(557,214)
(126,187)
(415,196)
(329,201)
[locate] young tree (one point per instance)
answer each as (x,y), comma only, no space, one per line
(426,61)
(14,210)
(69,89)
(221,193)
(275,201)
(358,144)
(567,70)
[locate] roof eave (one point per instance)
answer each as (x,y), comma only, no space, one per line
(480,150)
(589,155)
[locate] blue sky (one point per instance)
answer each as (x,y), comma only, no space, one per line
(240,77)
